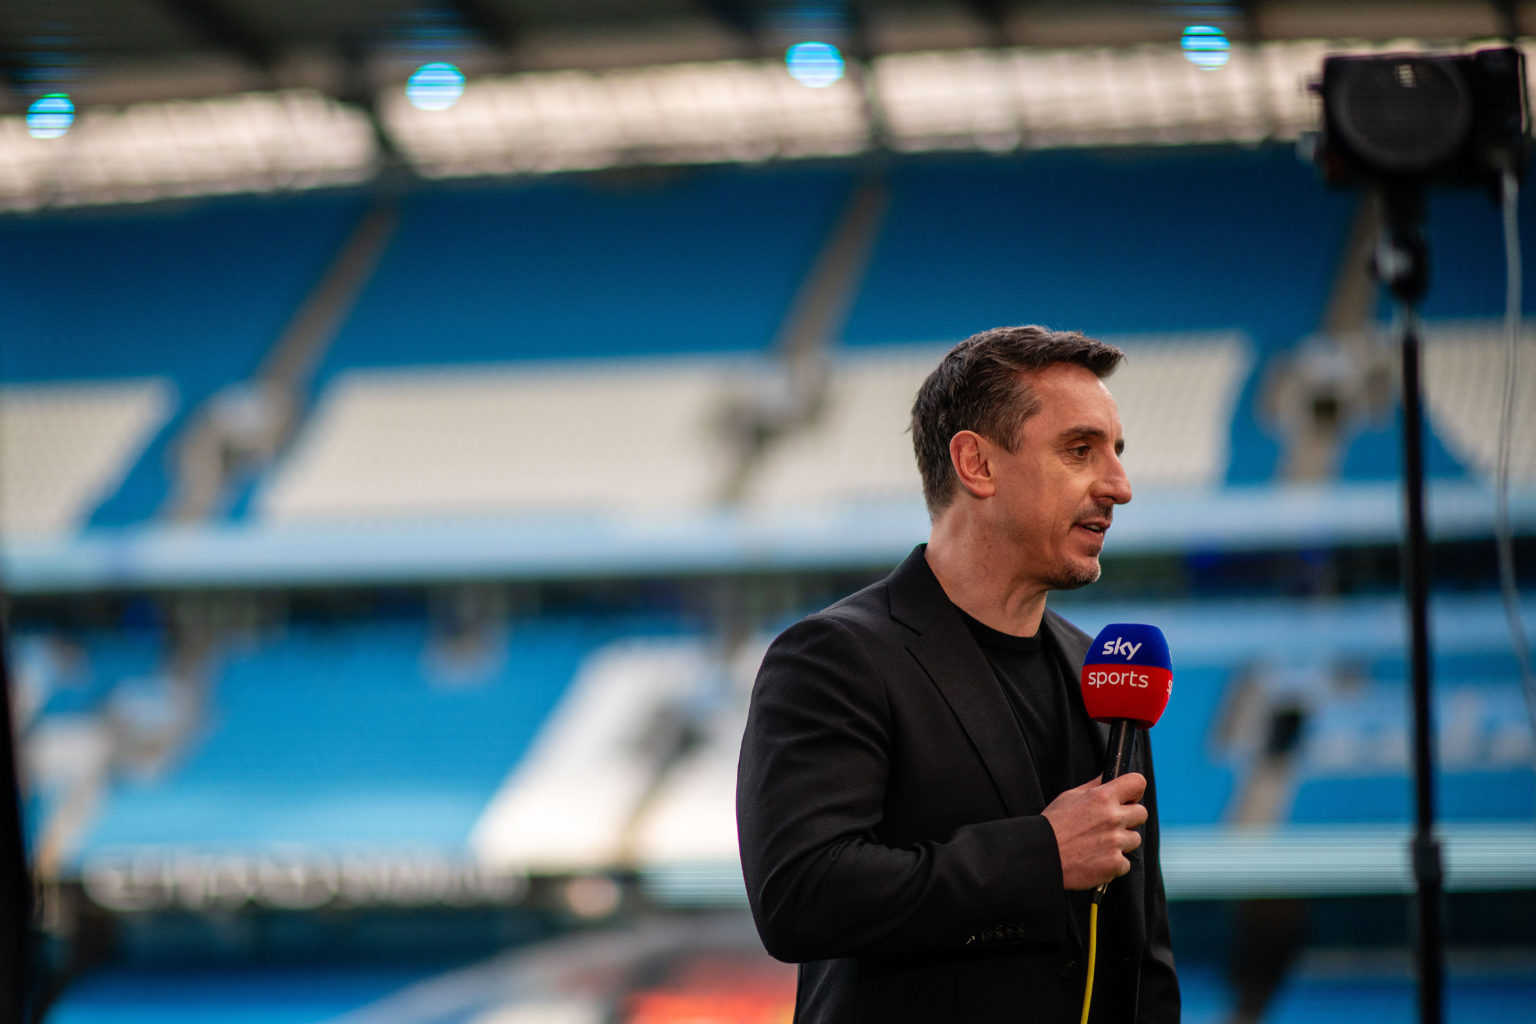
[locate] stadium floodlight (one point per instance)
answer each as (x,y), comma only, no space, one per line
(51,116)
(435,86)
(813,64)
(1206,46)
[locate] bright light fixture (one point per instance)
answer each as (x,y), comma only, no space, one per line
(435,86)
(1206,47)
(50,116)
(814,64)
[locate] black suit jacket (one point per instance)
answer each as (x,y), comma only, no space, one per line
(891,834)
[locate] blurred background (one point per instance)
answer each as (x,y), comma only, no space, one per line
(416,416)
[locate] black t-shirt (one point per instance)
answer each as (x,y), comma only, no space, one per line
(1061,741)
(1059,737)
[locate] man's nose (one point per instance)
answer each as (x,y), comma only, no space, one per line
(1114,485)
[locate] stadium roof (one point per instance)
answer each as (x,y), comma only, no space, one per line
(173,98)
(108,52)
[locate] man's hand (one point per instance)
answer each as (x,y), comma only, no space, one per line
(1093,825)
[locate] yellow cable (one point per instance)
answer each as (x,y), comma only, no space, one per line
(1093,956)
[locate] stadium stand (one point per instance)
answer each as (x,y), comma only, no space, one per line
(569,982)
(1465,369)
(1184,444)
(1355,766)
(80,713)
(690,820)
(1078,239)
(641,733)
(859,450)
(429,352)
(189,296)
(1350,992)
(1375,452)
(441,348)
(232,995)
(687,260)
(388,444)
(1345,694)
(608,742)
(1081,239)
(197,288)
(1463,348)
(375,431)
(635,437)
(623,717)
(1207,760)
(342,735)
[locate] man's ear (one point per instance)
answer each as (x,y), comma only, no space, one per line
(971,455)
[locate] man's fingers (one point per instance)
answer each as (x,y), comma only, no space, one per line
(1095,825)
(1127,788)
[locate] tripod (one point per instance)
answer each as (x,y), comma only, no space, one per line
(1401,264)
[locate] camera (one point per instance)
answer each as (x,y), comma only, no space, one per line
(1445,120)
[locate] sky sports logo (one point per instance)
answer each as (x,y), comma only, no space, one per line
(1121,647)
(1128,674)
(1117,677)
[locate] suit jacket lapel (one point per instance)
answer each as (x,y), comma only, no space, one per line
(947,653)
(1070,652)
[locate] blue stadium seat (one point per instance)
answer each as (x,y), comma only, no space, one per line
(1376,453)
(1480,776)
(236,995)
(347,734)
(1378,799)
(1106,242)
(1204,995)
(78,672)
(1193,784)
(1470,999)
(704,261)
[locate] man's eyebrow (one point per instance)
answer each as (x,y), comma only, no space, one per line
(1095,433)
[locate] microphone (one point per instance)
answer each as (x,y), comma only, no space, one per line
(1126,681)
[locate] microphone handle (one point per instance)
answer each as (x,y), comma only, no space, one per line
(1117,757)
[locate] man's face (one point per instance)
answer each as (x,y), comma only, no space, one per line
(1058,489)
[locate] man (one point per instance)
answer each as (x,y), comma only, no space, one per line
(920,816)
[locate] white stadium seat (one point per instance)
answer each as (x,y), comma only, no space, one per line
(66,447)
(1464,373)
(598,437)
